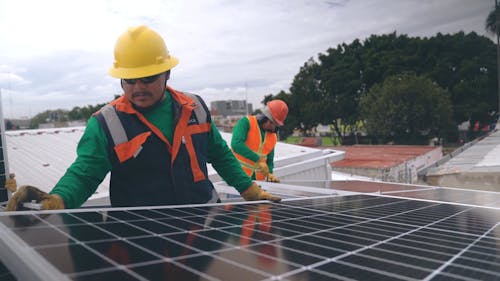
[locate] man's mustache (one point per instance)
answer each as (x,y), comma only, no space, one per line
(142,94)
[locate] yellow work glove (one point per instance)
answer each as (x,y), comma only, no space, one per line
(262,166)
(272,178)
(254,192)
(11,183)
(27,193)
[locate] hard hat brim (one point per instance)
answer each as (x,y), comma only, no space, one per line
(139,72)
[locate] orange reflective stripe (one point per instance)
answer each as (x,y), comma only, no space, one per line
(247,228)
(254,137)
(265,220)
(187,108)
(123,104)
(118,253)
(197,129)
(195,168)
(127,150)
(198,175)
(190,239)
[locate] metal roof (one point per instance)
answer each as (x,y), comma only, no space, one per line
(475,165)
(483,156)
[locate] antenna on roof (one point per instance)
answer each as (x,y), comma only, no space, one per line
(246,99)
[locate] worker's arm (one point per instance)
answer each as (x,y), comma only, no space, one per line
(224,162)
(88,170)
(270,161)
(239,137)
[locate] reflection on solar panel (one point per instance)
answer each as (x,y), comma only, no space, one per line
(358,237)
(436,193)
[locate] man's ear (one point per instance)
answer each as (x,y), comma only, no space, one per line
(167,75)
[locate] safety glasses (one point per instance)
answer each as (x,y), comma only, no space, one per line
(145,80)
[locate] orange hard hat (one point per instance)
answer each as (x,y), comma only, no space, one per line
(276,110)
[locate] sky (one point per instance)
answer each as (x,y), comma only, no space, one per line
(55,54)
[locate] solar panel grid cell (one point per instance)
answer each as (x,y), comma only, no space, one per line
(359,237)
(454,195)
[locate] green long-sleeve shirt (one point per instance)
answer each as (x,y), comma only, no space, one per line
(240,134)
(92,163)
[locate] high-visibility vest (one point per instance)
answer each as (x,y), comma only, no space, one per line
(260,146)
(146,168)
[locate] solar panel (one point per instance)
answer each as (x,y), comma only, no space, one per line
(435,193)
(356,237)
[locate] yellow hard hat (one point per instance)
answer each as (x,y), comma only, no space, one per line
(141,52)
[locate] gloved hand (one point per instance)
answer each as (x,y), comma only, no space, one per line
(27,193)
(262,166)
(11,183)
(254,192)
(272,178)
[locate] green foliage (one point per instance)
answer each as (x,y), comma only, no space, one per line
(328,91)
(293,140)
(61,115)
(58,115)
(491,21)
(407,109)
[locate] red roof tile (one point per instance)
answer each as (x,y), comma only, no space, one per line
(379,156)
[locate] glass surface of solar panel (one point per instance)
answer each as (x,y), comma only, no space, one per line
(358,237)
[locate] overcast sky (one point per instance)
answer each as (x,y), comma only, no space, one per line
(56,54)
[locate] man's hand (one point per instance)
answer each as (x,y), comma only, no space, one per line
(11,183)
(27,193)
(262,166)
(254,192)
(272,178)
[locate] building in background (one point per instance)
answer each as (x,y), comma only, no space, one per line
(231,108)
(225,113)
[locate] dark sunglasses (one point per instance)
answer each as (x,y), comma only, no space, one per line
(145,80)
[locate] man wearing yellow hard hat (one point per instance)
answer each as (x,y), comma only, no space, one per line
(254,138)
(155,140)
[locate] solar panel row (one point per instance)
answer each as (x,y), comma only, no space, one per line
(359,237)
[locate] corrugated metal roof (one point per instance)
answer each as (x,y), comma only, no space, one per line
(483,156)
(379,156)
(40,157)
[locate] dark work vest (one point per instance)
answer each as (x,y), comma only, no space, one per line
(143,173)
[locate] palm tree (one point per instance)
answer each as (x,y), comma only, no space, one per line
(493,26)
(491,21)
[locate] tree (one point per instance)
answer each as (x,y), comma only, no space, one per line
(492,26)
(491,21)
(328,90)
(59,115)
(406,109)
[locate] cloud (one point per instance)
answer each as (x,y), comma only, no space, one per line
(56,54)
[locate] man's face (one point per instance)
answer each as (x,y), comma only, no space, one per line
(269,126)
(145,92)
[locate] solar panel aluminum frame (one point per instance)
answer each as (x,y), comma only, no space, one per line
(15,255)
